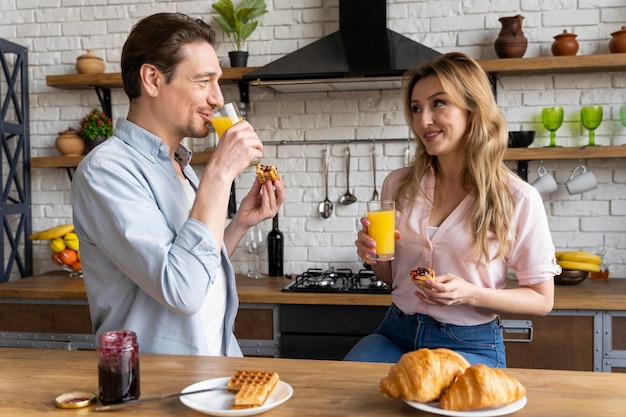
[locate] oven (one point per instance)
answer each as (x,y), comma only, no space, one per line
(329,331)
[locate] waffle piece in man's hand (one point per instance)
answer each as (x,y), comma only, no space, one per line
(253,387)
(266,173)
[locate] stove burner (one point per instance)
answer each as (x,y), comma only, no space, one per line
(378,284)
(338,280)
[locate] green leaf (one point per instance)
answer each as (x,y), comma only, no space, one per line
(239,23)
(226,27)
(226,9)
(247,30)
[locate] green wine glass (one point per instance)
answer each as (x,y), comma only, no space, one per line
(591,117)
(622,115)
(552,119)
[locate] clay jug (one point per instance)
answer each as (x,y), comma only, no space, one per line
(511,42)
(565,44)
(618,42)
(69,143)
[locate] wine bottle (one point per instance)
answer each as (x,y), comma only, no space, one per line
(275,243)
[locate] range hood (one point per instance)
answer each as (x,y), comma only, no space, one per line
(363,54)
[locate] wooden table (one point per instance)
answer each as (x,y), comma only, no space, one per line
(31,379)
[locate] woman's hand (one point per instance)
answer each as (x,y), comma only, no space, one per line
(447,290)
(365,245)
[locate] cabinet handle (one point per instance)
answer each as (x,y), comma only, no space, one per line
(522,329)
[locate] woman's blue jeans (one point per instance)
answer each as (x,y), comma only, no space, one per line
(400,333)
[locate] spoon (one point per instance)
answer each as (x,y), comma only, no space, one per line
(375,193)
(326,207)
(348,197)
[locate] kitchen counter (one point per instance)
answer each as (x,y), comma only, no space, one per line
(589,295)
(31,379)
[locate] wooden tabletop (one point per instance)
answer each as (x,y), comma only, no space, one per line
(589,295)
(32,379)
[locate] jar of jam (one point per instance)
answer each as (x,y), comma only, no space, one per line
(118,367)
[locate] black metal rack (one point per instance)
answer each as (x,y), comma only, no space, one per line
(15,203)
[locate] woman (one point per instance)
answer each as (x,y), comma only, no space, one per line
(464,214)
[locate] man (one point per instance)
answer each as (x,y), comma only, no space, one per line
(154,240)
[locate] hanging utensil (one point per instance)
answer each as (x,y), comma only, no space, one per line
(407,153)
(375,193)
(348,197)
(326,207)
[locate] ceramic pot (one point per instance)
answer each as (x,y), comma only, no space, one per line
(238,58)
(565,44)
(89,63)
(92,143)
(618,42)
(511,42)
(69,143)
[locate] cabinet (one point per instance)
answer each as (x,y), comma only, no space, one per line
(562,340)
(257,330)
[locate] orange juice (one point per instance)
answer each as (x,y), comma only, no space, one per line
(382,229)
(221,123)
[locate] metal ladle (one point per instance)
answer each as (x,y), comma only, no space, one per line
(375,193)
(348,197)
(326,207)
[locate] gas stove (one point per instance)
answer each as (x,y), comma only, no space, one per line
(338,281)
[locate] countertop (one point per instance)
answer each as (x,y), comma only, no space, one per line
(33,378)
(589,295)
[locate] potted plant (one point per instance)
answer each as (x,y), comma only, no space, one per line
(238,24)
(95,128)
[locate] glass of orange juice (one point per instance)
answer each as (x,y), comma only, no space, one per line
(224,117)
(382,228)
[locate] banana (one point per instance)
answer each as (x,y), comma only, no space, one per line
(53,232)
(71,241)
(578,256)
(57,244)
(579,266)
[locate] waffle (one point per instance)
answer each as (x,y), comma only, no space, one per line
(253,387)
(266,173)
(420,275)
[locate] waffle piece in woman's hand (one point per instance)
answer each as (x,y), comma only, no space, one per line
(266,173)
(420,275)
(253,387)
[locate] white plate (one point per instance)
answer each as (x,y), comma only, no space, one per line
(219,403)
(433,407)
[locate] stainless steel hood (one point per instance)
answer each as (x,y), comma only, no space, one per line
(363,54)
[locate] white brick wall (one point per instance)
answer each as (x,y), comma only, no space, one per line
(56,32)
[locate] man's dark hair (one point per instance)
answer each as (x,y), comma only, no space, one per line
(158,40)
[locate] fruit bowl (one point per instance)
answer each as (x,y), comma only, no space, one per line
(521,138)
(570,277)
(69,260)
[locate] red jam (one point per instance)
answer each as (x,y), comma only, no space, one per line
(118,367)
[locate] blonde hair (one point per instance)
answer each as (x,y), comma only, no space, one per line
(486,136)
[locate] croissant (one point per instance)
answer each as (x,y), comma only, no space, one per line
(481,386)
(423,374)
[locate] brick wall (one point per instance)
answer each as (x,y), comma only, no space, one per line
(56,32)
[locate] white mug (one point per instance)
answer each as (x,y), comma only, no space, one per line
(585,181)
(546,183)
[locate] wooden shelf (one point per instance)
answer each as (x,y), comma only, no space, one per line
(583,152)
(515,154)
(508,66)
(114,79)
(555,64)
(73,161)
